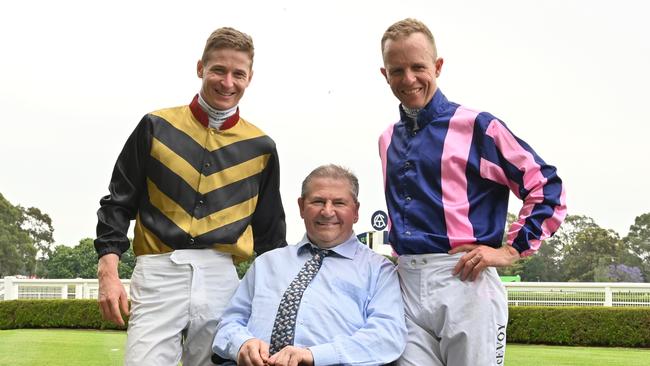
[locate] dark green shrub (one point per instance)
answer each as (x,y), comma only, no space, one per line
(580,326)
(52,314)
(571,326)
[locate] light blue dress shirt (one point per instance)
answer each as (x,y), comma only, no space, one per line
(350,314)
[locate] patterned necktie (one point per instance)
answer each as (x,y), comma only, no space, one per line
(285,321)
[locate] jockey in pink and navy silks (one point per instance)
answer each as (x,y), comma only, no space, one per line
(448,181)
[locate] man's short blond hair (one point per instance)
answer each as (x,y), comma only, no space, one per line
(229,38)
(405,28)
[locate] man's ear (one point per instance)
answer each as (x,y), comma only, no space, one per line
(438,65)
(199,69)
(383,72)
(356,212)
(301,205)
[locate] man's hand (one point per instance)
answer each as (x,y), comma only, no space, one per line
(112,297)
(254,352)
(292,356)
(479,257)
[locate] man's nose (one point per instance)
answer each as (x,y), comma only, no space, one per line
(409,76)
(328,209)
(227,80)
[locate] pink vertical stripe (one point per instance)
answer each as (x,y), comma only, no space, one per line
(453,178)
(384,142)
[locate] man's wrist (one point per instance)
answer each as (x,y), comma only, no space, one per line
(514,253)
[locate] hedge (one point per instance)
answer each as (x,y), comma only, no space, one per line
(574,326)
(580,326)
(62,313)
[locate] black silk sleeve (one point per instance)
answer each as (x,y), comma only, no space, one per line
(269,228)
(126,190)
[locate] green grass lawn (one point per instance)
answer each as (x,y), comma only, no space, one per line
(59,347)
(537,355)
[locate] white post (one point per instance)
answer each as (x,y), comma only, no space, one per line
(86,291)
(78,291)
(608,296)
(64,291)
(11,290)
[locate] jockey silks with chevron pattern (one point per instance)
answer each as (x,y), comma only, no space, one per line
(189,187)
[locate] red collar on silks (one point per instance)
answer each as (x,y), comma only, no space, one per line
(202,116)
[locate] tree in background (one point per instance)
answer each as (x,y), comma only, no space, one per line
(638,242)
(17,249)
(81,261)
(583,251)
(38,226)
(593,249)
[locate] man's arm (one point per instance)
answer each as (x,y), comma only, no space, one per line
(112,296)
(127,185)
(509,161)
(232,338)
(269,227)
(114,215)
(382,338)
(532,180)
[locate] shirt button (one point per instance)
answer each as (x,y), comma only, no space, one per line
(408,233)
(407,164)
(408,199)
(191,241)
(413,262)
(424,261)
(207,165)
(200,202)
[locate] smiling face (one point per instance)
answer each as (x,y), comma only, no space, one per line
(411,69)
(329,211)
(226,73)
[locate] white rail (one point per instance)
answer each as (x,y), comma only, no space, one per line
(519,293)
(13,288)
(619,294)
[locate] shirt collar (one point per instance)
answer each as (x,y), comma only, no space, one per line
(204,119)
(347,249)
(437,105)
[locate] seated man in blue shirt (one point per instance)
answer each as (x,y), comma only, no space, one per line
(350,311)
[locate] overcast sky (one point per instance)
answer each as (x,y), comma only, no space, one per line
(569,77)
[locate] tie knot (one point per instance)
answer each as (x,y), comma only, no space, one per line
(321,253)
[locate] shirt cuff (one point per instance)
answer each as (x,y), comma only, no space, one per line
(236,343)
(325,354)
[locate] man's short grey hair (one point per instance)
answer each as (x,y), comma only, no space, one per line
(334,172)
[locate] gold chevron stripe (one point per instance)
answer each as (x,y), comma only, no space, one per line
(242,250)
(146,242)
(182,119)
(204,183)
(178,165)
(191,225)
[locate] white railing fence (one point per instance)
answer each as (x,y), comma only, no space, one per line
(618,294)
(519,293)
(12,288)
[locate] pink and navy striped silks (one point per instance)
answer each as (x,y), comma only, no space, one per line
(447,183)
